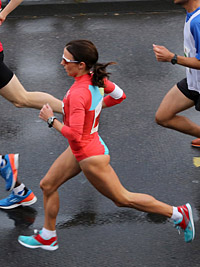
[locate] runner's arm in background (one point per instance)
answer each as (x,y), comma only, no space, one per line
(164,55)
(8,9)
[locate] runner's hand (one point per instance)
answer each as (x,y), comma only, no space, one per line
(2,19)
(162,53)
(46,112)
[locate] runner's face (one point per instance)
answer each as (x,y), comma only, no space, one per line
(71,68)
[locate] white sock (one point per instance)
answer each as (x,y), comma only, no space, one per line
(47,234)
(176,216)
(2,162)
(19,190)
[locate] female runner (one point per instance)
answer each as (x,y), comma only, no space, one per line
(87,152)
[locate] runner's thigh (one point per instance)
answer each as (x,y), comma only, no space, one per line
(64,168)
(102,176)
(174,102)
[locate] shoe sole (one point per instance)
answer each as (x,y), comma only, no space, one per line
(42,247)
(198,146)
(191,219)
(28,203)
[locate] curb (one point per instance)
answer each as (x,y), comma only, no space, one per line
(64,8)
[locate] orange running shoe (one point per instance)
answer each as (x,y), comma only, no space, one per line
(195,142)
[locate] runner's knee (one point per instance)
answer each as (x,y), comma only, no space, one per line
(18,105)
(46,187)
(119,204)
(161,120)
(22,102)
(123,201)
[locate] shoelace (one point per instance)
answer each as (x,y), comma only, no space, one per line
(11,195)
(178,228)
(36,231)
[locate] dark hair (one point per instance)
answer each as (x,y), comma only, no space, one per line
(85,51)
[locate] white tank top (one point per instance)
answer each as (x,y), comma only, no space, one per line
(193,75)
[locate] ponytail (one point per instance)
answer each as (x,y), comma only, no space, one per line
(100,73)
(85,51)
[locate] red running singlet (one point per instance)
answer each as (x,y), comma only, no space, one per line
(82,107)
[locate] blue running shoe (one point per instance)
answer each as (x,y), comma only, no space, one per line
(36,241)
(186,223)
(13,201)
(9,172)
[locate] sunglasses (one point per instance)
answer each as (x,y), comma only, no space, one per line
(69,60)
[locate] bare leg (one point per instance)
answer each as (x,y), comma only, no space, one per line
(173,103)
(102,176)
(63,169)
(16,94)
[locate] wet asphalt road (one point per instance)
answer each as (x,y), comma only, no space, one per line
(147,158)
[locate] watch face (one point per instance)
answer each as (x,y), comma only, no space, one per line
(174,59)
(50,121)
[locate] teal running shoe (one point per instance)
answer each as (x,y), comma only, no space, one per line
(36,241)
(186,223)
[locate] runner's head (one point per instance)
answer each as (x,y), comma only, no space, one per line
(84,51)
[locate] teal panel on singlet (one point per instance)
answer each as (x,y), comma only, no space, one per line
(96,96)
(105,146)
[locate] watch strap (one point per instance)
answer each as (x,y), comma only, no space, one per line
(50,121)
(174,59)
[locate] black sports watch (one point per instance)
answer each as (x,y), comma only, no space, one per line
(50,121)
(174,59)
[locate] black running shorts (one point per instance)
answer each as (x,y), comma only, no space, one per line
(5,73)
(191,94)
